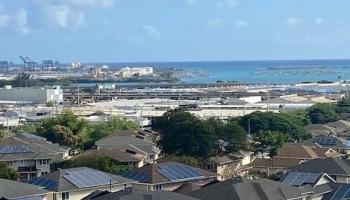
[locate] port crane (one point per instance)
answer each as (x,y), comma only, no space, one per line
(28,65)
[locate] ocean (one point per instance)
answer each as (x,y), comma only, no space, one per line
(281,71)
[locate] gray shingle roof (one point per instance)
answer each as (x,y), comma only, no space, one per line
(331,166)
(141,195)
(64,185)
(243,189)
(41,149)
(152,170)
(13,189)
(117,141)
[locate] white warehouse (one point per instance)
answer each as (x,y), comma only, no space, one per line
(31,95)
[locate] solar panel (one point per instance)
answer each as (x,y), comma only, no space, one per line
(43,183)
(175,172)
(300,178)
(137,176)
(326,141)
(12,149)
(342,192)
(84,178)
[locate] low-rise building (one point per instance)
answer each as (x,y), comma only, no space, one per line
(138,195)
(11,190)
(332,142)
(132,144)
(77,183)
(168,176)
(338,169)
(30,155)
(229,165)
(128,72)
(31,95)
(240,188)
(291,154)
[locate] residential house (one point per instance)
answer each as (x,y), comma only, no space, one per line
(12,190)
(137,195)
(342,127)
(168,176)
(289,155)
(334,143)
(77,183)
(229,165)
(240,188)
(339,191)
(320,130)
(315,182)
(30,155)
(338,169)
(119,157)
(131,144)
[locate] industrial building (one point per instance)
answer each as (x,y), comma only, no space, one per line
(30,95)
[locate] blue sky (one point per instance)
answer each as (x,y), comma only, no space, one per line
(174,30)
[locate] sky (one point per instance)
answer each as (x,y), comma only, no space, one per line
(174,30)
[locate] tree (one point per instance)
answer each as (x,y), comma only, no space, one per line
(343,106)
(187,160)
(96,161)
(7,172)
(181,133)
(289,124)
(322,113)
(65,129)
(229,137)
(184,134)
(269,142)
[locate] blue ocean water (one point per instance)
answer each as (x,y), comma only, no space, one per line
(281,71)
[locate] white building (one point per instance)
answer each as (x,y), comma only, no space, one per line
(31,95)
(128,72)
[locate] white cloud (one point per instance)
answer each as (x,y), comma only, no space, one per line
(241,23)
(22,21)
(319,21)
(65,16)
(214,22)
(152,32)
(293,21)
(227,3)
(4,20)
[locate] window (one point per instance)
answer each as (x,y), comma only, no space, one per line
(65,195)
(157,187)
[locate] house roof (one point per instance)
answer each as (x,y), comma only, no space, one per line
(340,124)
(13,189)
(331,166)
(128,142)
(114,154)
(338,144)
(61,183)
(305,178)
(320,129)
(155,177)
(141,195)
(243,189)
(334,188)
(278,163)
(41,149)
(298,150)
